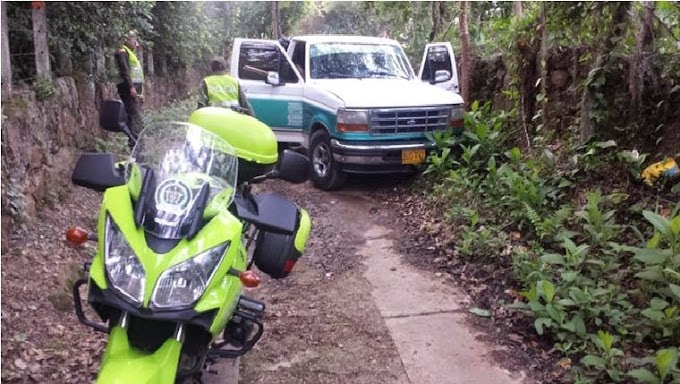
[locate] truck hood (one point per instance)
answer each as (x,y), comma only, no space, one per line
(378,93)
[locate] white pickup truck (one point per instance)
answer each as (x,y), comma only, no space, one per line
(353,102)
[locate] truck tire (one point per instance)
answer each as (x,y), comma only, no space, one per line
(326,173)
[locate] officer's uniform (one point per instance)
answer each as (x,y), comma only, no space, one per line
(132,74)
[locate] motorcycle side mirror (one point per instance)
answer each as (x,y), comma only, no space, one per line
(293,167)
(273,79)
(113,118)
(97,171)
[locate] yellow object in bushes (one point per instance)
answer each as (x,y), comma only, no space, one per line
(667,168)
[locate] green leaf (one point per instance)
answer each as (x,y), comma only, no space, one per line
(675,225)
(675,289)
(676,188)
(566,302)
(666,360)
(653,243)
(644,375)
(593,361)
(652,275)
(607,340)
(650,256)
(580,325)
(606,144)
(555,313)
(514,154)
(659,222)
(553,258)
(548,290)
(480,312)
(658,304)
(540,323)
(569,276)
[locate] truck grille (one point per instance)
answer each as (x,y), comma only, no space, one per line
(409,120)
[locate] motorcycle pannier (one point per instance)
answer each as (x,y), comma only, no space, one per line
(276,253)
(254,142)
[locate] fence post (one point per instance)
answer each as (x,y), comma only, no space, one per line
(6,62)
(42,53)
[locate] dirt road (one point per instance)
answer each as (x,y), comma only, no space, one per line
(352,312)
(355,312)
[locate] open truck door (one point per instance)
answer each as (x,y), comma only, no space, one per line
(272,84)
(438,59)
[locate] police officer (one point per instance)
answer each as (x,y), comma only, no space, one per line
(220,89)
(132,86)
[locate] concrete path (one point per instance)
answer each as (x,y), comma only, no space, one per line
(426,321)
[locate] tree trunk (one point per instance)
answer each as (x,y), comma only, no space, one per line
(6,62)
(517,8)
(543,66)
(436,21)
(42,53)
(638,66)
(608,42)
(466,53)
(276,20)
(149,63)
(162,65)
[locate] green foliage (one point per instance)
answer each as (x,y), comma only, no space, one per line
(665,366)
(589,287)
(88,27)
(44,88)
(178,110)
(184,33)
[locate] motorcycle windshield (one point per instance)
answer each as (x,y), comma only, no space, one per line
(180,167)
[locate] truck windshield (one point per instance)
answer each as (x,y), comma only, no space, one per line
(357,61)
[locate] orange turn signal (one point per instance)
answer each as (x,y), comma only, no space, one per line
(250,279)
(76,235)
(352,127)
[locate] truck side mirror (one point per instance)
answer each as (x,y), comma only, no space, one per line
(441,76)
(273,79)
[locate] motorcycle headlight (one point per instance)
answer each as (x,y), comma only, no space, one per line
(125,272)
(185,283)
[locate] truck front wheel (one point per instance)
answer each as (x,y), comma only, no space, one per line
(326,173)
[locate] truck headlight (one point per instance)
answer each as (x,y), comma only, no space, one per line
(352,120)
(125,272)
(457,117)
(185,283)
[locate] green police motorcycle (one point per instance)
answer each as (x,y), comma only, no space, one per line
(178,232)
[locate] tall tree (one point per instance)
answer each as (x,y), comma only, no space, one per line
(465,54)
(543,64)
(643,48)
(517,8)
(438,11)
(608,42)
(6,63)
(276,20)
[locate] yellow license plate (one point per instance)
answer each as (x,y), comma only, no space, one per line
(412,156)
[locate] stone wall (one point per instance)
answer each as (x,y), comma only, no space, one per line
(42,139)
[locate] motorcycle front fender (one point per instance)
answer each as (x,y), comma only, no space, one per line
(122,363)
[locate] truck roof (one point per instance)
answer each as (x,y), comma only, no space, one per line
(345,39)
